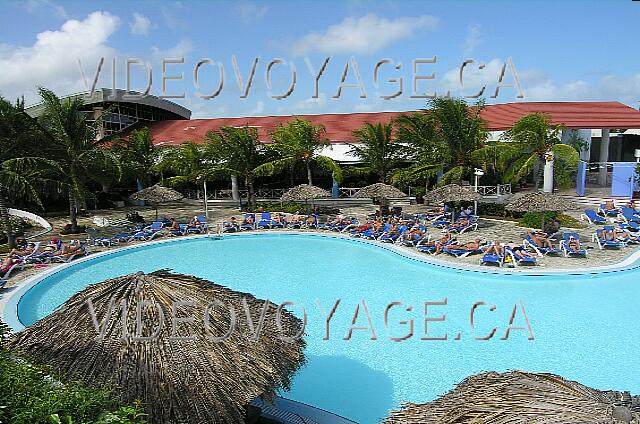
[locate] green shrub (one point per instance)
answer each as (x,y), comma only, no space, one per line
(493,209)
(533,220)
(30,394)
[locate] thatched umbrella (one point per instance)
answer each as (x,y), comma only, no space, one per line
(193,380)
(380,192)
(452,193)
(304,192)
(539,201)
(157,194)
(517,398)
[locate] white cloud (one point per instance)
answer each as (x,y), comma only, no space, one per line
(180,50)
(251,12)
(34,6)
(364,35)
(140,24)
(52,61)
(472,40)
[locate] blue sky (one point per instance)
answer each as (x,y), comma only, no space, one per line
(561,50)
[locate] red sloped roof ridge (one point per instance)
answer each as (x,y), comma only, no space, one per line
(340,126)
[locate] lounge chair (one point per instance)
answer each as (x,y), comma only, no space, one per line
(492,259)
(412,243)
(606,244)
(629,215)
(431,248)
(18,266)
(265,220)
(607,212)
(83,251)
(372,234)
(309,225)
(517,258)
(462,253)
(593,218)
(149,233)
(229,227)
(566,248)
(541,251)
(96,240)
(202,228)
(459,230)
(391,238)
(346,226)
(245,225)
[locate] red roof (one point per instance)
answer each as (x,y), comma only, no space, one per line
(340,127)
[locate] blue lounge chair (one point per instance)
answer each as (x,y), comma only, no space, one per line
(541,251)
(246,225)
(342,227)
(492,259)
(313,224)
(230,227)
(150,232)
(391,238)
(593,218)
(265,220)
(95,239)
(630,215)
(459,230)
(181,231)
(412,243)
(566,248)
(18,266)
(202,227)
(372,234)
(517,258)
(602,242)
(607,212)
(630,226)
(462,253)
(281,224)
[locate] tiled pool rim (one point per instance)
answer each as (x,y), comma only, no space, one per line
(10,299)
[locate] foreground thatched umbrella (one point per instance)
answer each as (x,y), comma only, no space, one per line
(451,193)
(156,195)
(380,192)
(518,398)
(304,192)
(180,381)
(539,202)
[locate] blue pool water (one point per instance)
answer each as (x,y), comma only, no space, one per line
(585,326)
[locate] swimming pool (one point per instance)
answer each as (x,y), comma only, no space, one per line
(584,326)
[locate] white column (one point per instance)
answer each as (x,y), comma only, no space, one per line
(548,173)
(604,157)
(97,114)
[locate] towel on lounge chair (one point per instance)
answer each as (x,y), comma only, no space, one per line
(593,218)
(461,253)
(567,249)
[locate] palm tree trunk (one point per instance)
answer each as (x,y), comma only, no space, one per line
(309,174)
(6,221)
(73,213)
(251,195)
(536,173)
(235,194)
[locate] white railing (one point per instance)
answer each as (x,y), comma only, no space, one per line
(492,191)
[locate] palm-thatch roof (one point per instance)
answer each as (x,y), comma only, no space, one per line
(193,380)
(304,192)
(539,202)
(380,191)
(451,193)
(157,194)
(519,397)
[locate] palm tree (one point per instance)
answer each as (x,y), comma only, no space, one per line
(300,142)
(73,146)
(138,156)
(527,146)
(236,151)
(444,139)
(20,168)
(377,149)
(186,161)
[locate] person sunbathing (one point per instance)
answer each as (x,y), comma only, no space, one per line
(53,247)
(278,219)
(519,249)
(296,218)
(174,225)
(364,227)
(609,205)
(7,264)
(541,239)
(415,233)
(194,223)
(439,244)
(22,251)
(248,220)
(311,220)
(462,223)
(471,245)
(494,248)
(74,248)
(574,243)
(393,230)
(230,225)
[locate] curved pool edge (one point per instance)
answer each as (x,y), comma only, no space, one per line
(9,301)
